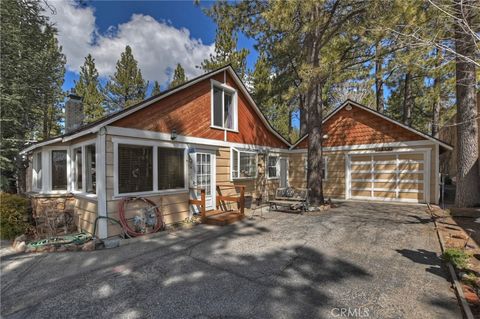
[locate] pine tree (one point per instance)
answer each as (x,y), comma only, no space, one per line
(179,76)
(156,89)
(88,87)
(32,71)
(127,86)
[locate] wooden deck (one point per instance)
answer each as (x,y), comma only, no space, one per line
(220,216)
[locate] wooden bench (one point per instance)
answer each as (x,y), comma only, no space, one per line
(293,198)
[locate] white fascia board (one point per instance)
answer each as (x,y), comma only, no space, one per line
(32,147)
(150,135)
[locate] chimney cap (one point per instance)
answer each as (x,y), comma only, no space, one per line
(74,96)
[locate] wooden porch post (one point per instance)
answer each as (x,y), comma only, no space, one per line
(203,212)
(242,200)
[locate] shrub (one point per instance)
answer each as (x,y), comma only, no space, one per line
(458,257)
(13,215)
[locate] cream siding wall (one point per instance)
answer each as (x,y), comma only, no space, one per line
(85,213)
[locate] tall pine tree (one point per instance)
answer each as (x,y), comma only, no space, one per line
(127,86)
(88,87)
(179,76)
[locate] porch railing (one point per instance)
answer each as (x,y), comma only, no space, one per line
(220,200)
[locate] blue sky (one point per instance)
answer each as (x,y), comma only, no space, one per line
(108,21)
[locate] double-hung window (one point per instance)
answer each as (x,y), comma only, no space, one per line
(273,166)
(243,164)
(84,169)
(224,107)
(149,168)
(59,170)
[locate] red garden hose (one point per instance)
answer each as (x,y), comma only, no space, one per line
(132,232)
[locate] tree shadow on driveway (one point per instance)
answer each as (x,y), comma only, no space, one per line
(206,275)
(425,257)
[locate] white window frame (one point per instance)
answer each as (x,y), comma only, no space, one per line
(71,175)
(47,184)
(155,145)
(229,89)
(277,165)
(232,178)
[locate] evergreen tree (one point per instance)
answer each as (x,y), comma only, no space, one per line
(225,44)
(156,88)
(127,86)
(179,76)
(88,87)
(30,89)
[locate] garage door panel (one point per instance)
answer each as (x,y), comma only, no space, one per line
(388,176)
(411,176)
(384,185)
(367,176)
(384,194)
(395,176)
(410,186)
(410,196)
(384,157)
(359,193)
(363,185)
(411,166)
(361,167)
(385,167)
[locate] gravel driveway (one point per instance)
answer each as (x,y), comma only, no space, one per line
(361,259)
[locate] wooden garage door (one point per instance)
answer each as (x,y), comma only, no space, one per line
(393,177)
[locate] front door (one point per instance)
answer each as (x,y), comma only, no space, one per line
(204,177)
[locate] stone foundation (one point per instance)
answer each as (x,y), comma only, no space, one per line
(53,214)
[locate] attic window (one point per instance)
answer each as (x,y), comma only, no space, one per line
(224,107)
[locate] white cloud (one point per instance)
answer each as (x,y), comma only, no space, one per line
(156,45)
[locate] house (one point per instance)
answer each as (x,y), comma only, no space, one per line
(209,131)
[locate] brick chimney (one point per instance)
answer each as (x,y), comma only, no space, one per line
(73,113)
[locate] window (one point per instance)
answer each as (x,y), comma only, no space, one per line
(135,168)
(244,164)
(224,108)
(273,166)
(90,169)
(171,169)
(77,170)
(59,170)
(37,171)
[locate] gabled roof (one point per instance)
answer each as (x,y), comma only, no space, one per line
(97,125)
(411,129)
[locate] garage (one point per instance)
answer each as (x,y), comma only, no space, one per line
(389,176)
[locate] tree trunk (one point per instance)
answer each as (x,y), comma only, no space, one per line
(290,128)
(303,115)
(315,158)
(407,100)
(380,103)
(436,96)
(468,180)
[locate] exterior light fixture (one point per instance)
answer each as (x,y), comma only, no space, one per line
(174,135)
(325,136)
